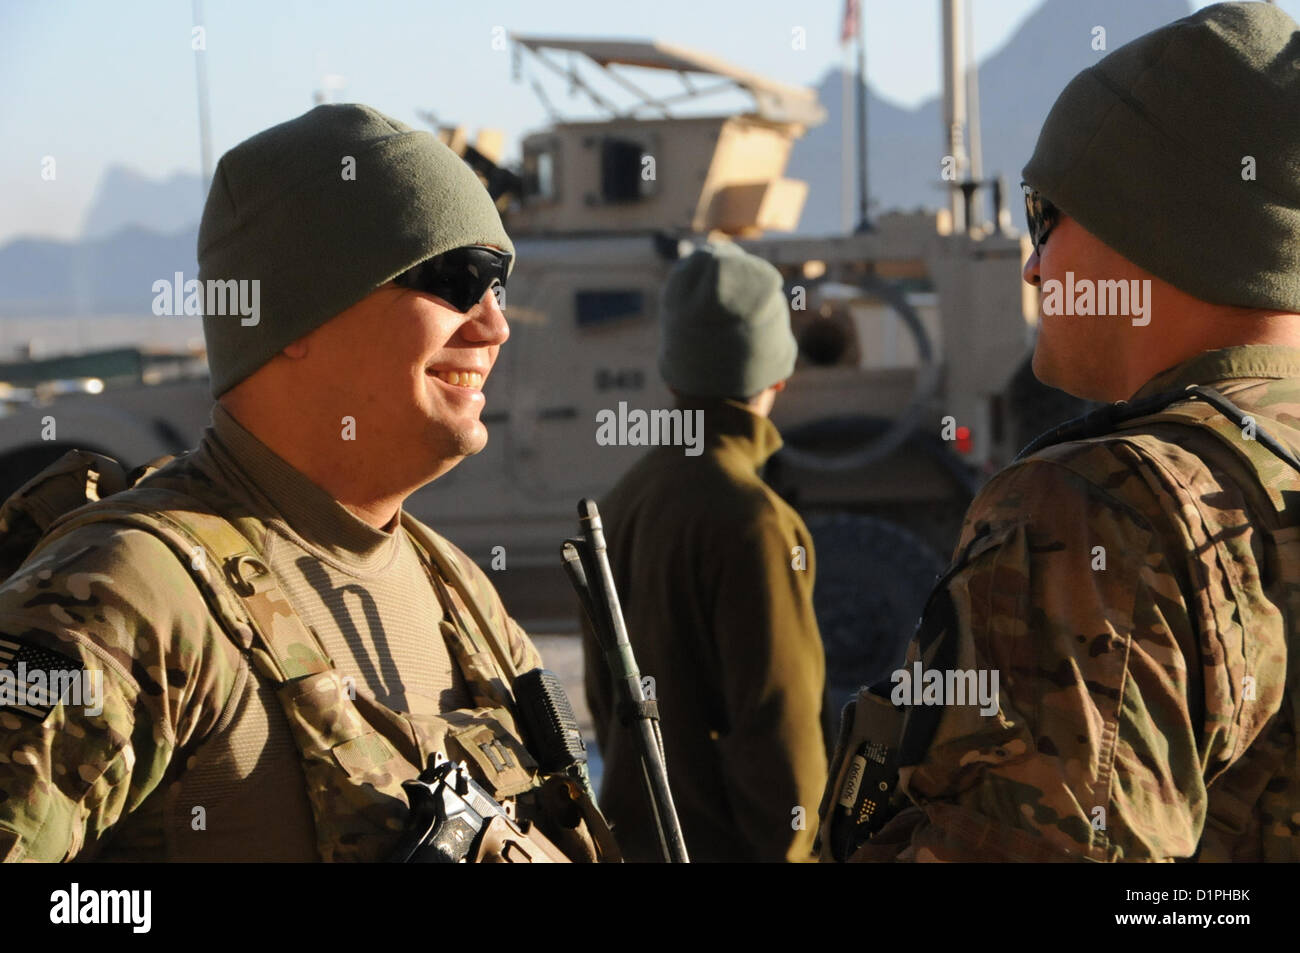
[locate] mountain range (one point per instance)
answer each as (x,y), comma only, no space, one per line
(1017,86)
(138,230)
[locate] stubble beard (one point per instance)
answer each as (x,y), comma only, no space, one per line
(455,444)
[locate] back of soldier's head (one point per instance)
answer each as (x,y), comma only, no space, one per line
(725,325)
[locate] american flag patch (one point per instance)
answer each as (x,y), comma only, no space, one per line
(34,679)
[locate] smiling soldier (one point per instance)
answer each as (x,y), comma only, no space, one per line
(281,644)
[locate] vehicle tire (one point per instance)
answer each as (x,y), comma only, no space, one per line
(873,579)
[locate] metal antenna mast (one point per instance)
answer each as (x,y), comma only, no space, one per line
(954,105)
(205,123)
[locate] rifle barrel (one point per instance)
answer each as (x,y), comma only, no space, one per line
(593,554)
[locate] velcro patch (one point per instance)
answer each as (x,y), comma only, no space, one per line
(34,680)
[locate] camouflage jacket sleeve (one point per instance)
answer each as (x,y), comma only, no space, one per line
(1104,584)
(773,676)
(119,606)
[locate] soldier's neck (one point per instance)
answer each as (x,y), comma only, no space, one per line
(353,479)
(1211,329)
(352,488)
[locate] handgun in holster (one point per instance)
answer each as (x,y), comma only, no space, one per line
(453,820)
(862,791)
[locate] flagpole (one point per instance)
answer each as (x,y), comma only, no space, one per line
(954,109)
(846,145)
(973,114)
(864,220)
(205,122)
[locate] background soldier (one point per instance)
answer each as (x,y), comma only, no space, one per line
(266,691)
(1135,585)
(715,575)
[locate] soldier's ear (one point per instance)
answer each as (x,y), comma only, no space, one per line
(296,350)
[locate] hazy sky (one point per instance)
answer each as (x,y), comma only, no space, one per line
(94,83)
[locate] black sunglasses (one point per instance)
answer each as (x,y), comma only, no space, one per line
(461,277)
(1041,215)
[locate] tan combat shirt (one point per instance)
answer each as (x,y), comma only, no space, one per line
(192,758)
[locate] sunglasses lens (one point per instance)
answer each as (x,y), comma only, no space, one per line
(461,277)
(1033,211)
(1040,215)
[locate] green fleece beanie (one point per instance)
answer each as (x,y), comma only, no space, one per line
(1181,151)
(320,211)
(726,325)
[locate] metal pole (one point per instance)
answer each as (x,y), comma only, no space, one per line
(201,77)
(954,106)
(609,626)
(973,113)
(864,219)
(846,147)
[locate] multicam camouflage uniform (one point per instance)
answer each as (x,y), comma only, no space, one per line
(193,756)
(1146,710)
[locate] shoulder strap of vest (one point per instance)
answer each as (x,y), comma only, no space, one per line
(1261,472)
(1263,461)
(486,637)
(241,589)
(243,595)
(234,579)
(1110,417)
(1270,463)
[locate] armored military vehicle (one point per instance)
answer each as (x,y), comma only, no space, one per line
(910,387)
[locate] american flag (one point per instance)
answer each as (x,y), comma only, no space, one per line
(17,661)
(849,28)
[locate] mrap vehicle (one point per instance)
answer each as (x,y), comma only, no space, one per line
(912,384)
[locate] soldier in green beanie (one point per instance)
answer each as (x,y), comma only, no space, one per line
(279,645)
(715,573)
(1133,576)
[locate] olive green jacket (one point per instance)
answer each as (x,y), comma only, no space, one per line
(715,574)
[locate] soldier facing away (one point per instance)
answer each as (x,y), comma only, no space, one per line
(715,575)
(1134,584)
(280,645)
